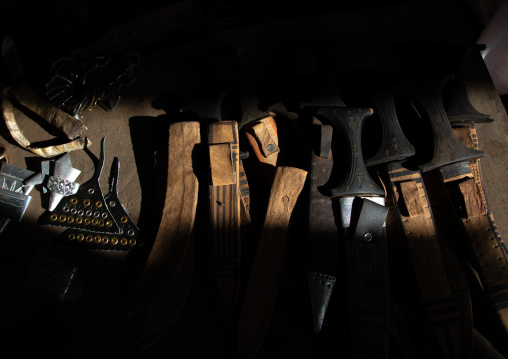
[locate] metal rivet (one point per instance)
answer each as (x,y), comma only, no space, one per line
(70,219)
(62,218)
(87,221)
(105,240)
(89,238)
(94,221)
(98,204)
(54,217)
(123,219)
(112,203)
(367,236)
(123,241)
(72,236)
(80,237)
(74,201)
(86,202)
(130,232)
(91,191)
(79,220)
(109,223)
(114,241)
(270,147)
(97,239)
(132,242)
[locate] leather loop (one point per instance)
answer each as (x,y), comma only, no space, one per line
(367,221)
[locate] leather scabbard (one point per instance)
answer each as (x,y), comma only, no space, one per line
(441,294)
(168,269)
(488,252)
(224,211)
(266,271)
(322,230)
(367,280)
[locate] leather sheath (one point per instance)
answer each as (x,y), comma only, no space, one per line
(489,254)
(367,279)
(224,211)
(440,294)
(322,230)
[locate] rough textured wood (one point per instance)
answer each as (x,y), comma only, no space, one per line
(472,199)
(411,198)
(264,280)
(221,165)
(173,242)
(224,207)
(440,278)
(490,254)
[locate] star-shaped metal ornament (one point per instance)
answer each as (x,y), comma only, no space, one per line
(61,184)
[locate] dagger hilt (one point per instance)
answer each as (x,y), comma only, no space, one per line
(394,144)
(447,147)
(460,108)
(358,181)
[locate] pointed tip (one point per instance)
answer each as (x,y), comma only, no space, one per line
(321,287)
(54,200)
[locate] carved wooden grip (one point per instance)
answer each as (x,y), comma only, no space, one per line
(394,144)
(358,181)
(447,146)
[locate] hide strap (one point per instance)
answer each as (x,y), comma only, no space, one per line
(438,291)
(224,212)
(173,243)
(488,252)
(367,279)
(266,272)
(263,139)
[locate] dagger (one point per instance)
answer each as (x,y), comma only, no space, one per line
(429,255)
(463,185)
(362,218)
